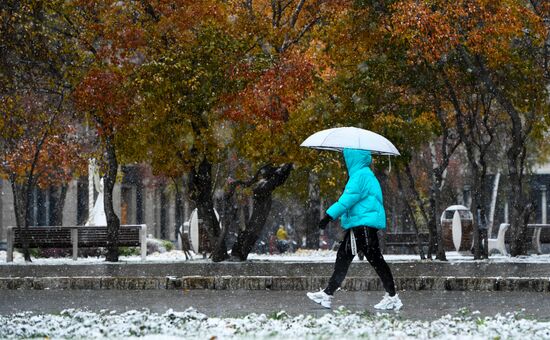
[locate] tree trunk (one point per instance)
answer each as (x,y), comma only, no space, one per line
(478,207)
(270,178)
(58,195)
(477,212)
(248,237)
(229,213)
(113,222)
(434,224)
(200,191)
(163,211)
(22,218)
(420,205)
(493,204)
(520,210)
(312,215)
(410,212)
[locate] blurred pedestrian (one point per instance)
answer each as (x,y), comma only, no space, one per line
(282,239)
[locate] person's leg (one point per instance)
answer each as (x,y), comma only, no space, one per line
(343,260)
(375,258)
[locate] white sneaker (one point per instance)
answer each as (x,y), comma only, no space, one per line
(321,297)
(389,303)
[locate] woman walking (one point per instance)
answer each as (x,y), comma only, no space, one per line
(361,210)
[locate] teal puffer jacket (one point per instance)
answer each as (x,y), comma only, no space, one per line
(361,204)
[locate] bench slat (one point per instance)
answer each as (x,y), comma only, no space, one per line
(88,236)
(406,239)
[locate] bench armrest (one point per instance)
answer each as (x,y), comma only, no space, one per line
(499,242)
(502,228)
(143,241)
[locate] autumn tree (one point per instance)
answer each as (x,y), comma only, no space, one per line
(377,89)
(101,95)
(282,68)
(498,45)
(152,74)
(213,73)
(38,144)
(159,73)
(109,41)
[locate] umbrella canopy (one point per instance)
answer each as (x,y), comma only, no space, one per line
(351,138)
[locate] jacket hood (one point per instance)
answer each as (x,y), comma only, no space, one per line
(357,159)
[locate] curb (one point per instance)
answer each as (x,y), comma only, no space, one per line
(280,283)
(275,269)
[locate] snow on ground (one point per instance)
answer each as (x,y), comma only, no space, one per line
(167,257)
(192,324)
(302,255)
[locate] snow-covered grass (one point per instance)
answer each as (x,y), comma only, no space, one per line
(302,255)
(192,324)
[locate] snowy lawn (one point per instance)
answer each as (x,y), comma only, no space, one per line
(195,325)
(301,255)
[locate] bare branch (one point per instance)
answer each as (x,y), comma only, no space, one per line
(274,13)
(296,13)
(287,43)
(248,5)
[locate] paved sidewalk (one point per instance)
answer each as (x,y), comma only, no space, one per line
(424,305)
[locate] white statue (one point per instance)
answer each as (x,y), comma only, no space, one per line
(96,216)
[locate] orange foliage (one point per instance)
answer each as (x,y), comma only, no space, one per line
(486,27)
(290,34)
(178,17)
(101,93)
(33,123)
(119,32)
(274,92)
(57,162)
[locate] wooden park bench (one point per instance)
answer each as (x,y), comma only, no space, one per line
(408,240)
(538,233)
(77,237)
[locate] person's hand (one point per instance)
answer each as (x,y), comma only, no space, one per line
(324,221)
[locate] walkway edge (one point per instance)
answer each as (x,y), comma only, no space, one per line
(279,283)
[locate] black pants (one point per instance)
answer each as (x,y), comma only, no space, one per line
(366,239)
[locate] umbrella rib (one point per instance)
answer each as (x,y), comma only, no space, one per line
(328,134)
